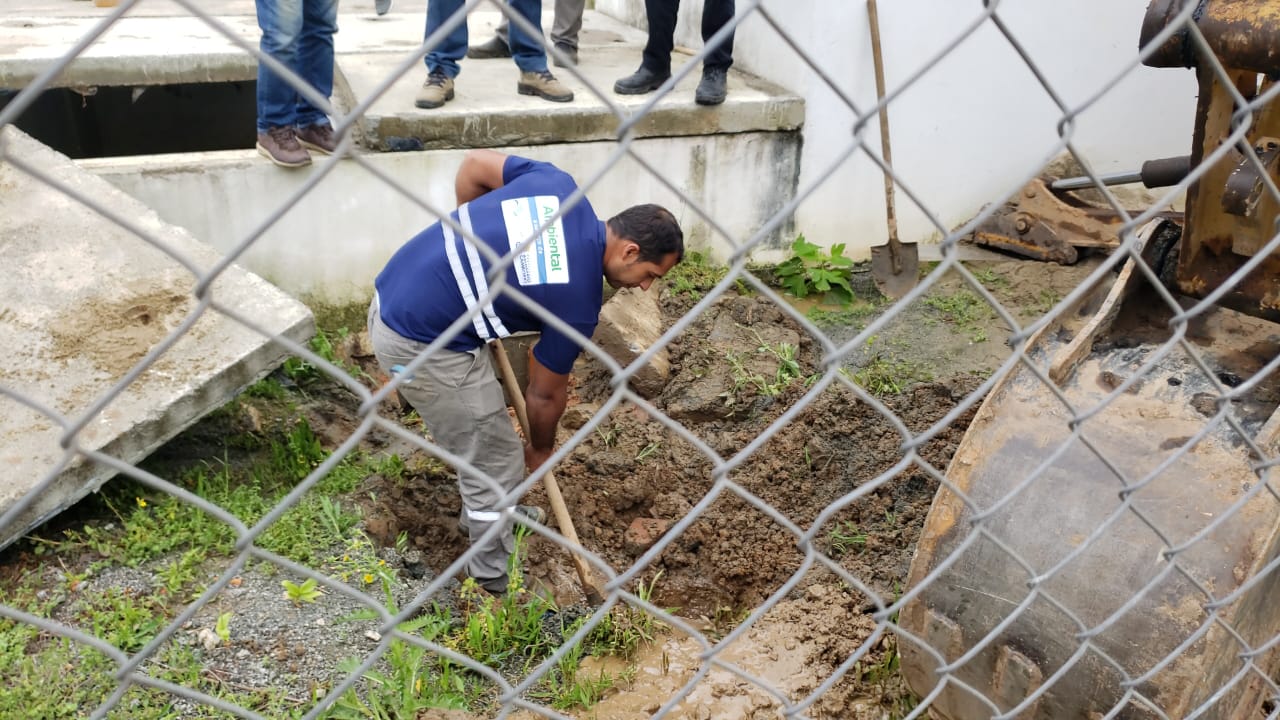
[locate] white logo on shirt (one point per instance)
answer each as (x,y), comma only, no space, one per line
(546,260)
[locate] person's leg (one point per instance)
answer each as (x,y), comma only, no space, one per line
(567,23)
(661,15)
(451,48)
(715,15)
(460,401)
(315,57)
(281,23)
(527,50)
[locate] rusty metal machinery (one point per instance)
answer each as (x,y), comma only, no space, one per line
(1104,544)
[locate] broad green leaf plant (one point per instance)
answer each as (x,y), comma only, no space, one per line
(810,270)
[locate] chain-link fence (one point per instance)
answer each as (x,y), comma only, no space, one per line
(1102,542)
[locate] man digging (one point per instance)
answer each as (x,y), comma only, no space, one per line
(438,276)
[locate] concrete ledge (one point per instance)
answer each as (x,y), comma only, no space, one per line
(82,302)
(487,111)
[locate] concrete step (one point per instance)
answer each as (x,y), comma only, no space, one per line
(487,112)
(83,302)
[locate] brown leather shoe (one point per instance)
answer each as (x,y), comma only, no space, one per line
(280,146)
(544,85)
(318,137)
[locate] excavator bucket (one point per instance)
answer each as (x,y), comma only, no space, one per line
(1079,552)
(1107,543)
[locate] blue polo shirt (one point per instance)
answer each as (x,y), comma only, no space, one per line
(438,276)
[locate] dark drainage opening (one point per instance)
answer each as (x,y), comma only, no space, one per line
(143,120)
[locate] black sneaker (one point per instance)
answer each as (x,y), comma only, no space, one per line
(711,90)
(495,48)
(640,82)
(570,54)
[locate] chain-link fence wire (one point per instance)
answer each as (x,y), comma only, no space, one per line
(1040,663)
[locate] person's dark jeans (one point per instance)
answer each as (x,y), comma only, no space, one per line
(528,52)
(662,30)
(298,33)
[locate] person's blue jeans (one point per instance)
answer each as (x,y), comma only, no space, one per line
(528,52)
(298,33)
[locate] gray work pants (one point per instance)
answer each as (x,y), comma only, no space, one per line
(565,29)
(460,401)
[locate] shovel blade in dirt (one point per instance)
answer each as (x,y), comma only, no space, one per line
(895,268)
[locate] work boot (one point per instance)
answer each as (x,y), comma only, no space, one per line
(382,7)
(570,53)
(280,146)
(495,48)
(529,512)
(711,90)
(436,91)
(318,137)
(544,85)
(640,82)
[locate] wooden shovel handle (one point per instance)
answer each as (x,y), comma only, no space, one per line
(549,481)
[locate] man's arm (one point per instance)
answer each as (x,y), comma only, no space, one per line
(545,399)
(481,171)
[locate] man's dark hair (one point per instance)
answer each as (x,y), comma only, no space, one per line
(653,228)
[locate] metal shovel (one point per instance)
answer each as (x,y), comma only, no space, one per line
(895,266)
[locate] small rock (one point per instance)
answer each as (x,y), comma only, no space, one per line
(643,533)
(242,654)
(253,421)
(208,638)
(670,506)
(578,415)
(321,622)
(374,635)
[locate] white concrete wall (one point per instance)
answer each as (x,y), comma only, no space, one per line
(330,245)
(973,126)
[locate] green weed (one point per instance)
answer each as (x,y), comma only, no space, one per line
(845,536)
(854,316)
(888,376)
(809,270)
(622,631)
(964,309)
(787,372)
(412,681)
(565,686)
(991,279)
(695,275)
(304,592)
(648,450)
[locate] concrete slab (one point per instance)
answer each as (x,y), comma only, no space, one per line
(82,301)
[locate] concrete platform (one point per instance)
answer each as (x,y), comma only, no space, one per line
(154,49)
(82,301)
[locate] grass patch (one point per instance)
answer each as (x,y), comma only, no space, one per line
(694,275)
(855,315)
(969,312)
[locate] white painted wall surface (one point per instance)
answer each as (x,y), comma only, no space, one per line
(968,129)
(329,246)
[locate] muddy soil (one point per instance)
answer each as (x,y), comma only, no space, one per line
(749,458)
(834,453)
